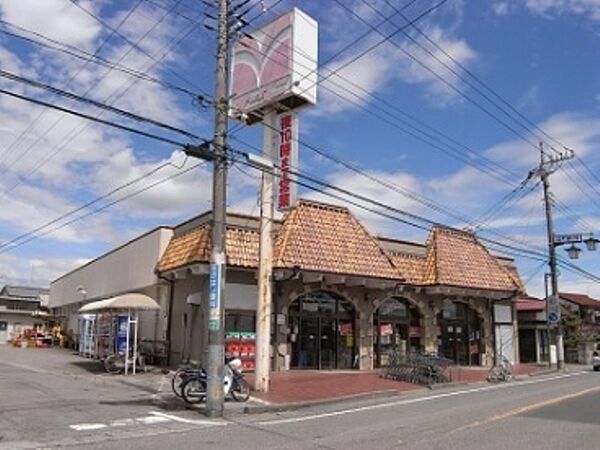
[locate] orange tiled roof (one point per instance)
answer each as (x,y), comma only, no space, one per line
(325,238)
(456,258)
(410,267)
(194,246)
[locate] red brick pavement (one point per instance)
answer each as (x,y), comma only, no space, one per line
(298,386)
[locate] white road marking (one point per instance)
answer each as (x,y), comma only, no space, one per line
(88,426)
(149,420)
(188,421)
(414,400)
(121,422)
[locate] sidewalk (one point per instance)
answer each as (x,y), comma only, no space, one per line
(289,390)
(300,388)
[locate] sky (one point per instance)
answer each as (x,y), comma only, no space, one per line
(444,117)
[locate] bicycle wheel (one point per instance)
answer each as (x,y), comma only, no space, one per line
(241,391)
(111,364)
(193,391)
(176,383)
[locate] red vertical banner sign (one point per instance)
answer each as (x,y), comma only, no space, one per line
(287,189)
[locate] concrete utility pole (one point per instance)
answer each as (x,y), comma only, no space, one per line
(216,355)
(265,267)
(544,173)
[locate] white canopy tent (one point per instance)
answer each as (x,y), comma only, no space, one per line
(124,303)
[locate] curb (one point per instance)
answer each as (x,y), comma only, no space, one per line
(293,406)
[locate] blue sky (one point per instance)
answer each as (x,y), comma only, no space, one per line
(539,56)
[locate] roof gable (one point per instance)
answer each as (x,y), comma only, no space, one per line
(195,246)
(457,258)
(325,238)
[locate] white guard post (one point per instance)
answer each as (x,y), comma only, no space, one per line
(127,342)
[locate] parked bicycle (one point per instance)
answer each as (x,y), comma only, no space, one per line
(115,363)
(185,370)
(502,371)
(193,388)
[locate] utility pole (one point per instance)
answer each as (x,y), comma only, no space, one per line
(544,172)
(265,267)
(216,354)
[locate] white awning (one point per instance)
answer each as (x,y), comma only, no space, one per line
(122,302)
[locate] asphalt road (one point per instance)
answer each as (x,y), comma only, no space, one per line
(42,406)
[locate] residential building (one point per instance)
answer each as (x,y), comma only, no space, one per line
(18,308)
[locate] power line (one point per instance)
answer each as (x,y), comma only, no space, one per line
(114,97)
(69,81)
(92,57)
(434,73)
(16,239)
(137,46)
(466,70)
(100,209)
(92,118)
(97,104)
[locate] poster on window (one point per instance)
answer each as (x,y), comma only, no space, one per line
(386,329)
(346,329)
(414,332)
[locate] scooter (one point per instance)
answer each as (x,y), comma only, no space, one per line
(193,388)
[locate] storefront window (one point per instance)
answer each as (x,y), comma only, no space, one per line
(459,334)
(397,328)
(322,332)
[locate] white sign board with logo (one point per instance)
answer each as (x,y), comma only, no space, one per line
(275,65)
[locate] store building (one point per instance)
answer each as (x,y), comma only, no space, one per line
(344,298)
(125,269)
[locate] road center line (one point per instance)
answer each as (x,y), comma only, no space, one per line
(416,400)
(523,409)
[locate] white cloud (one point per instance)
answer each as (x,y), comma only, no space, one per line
(588,8)
(530,100)
(57,19)
(501,8)
(389,62)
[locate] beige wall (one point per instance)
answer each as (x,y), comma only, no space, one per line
(128,268)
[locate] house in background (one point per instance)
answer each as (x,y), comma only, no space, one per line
(581,320)
(18,305)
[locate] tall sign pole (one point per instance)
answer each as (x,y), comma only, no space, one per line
(214,389)
(265,267)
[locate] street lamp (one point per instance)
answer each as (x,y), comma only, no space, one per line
(573,251)
(591,243)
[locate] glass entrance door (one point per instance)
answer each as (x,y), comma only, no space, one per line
(321,332)
(328,344)
(308,355)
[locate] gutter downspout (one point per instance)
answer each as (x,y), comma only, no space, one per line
(171,284)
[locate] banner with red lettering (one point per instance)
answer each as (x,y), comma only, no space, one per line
(287,189)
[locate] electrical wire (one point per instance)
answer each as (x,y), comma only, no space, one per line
(99,209)
(97,104)
(68,82)
(114,97)
(92,118)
